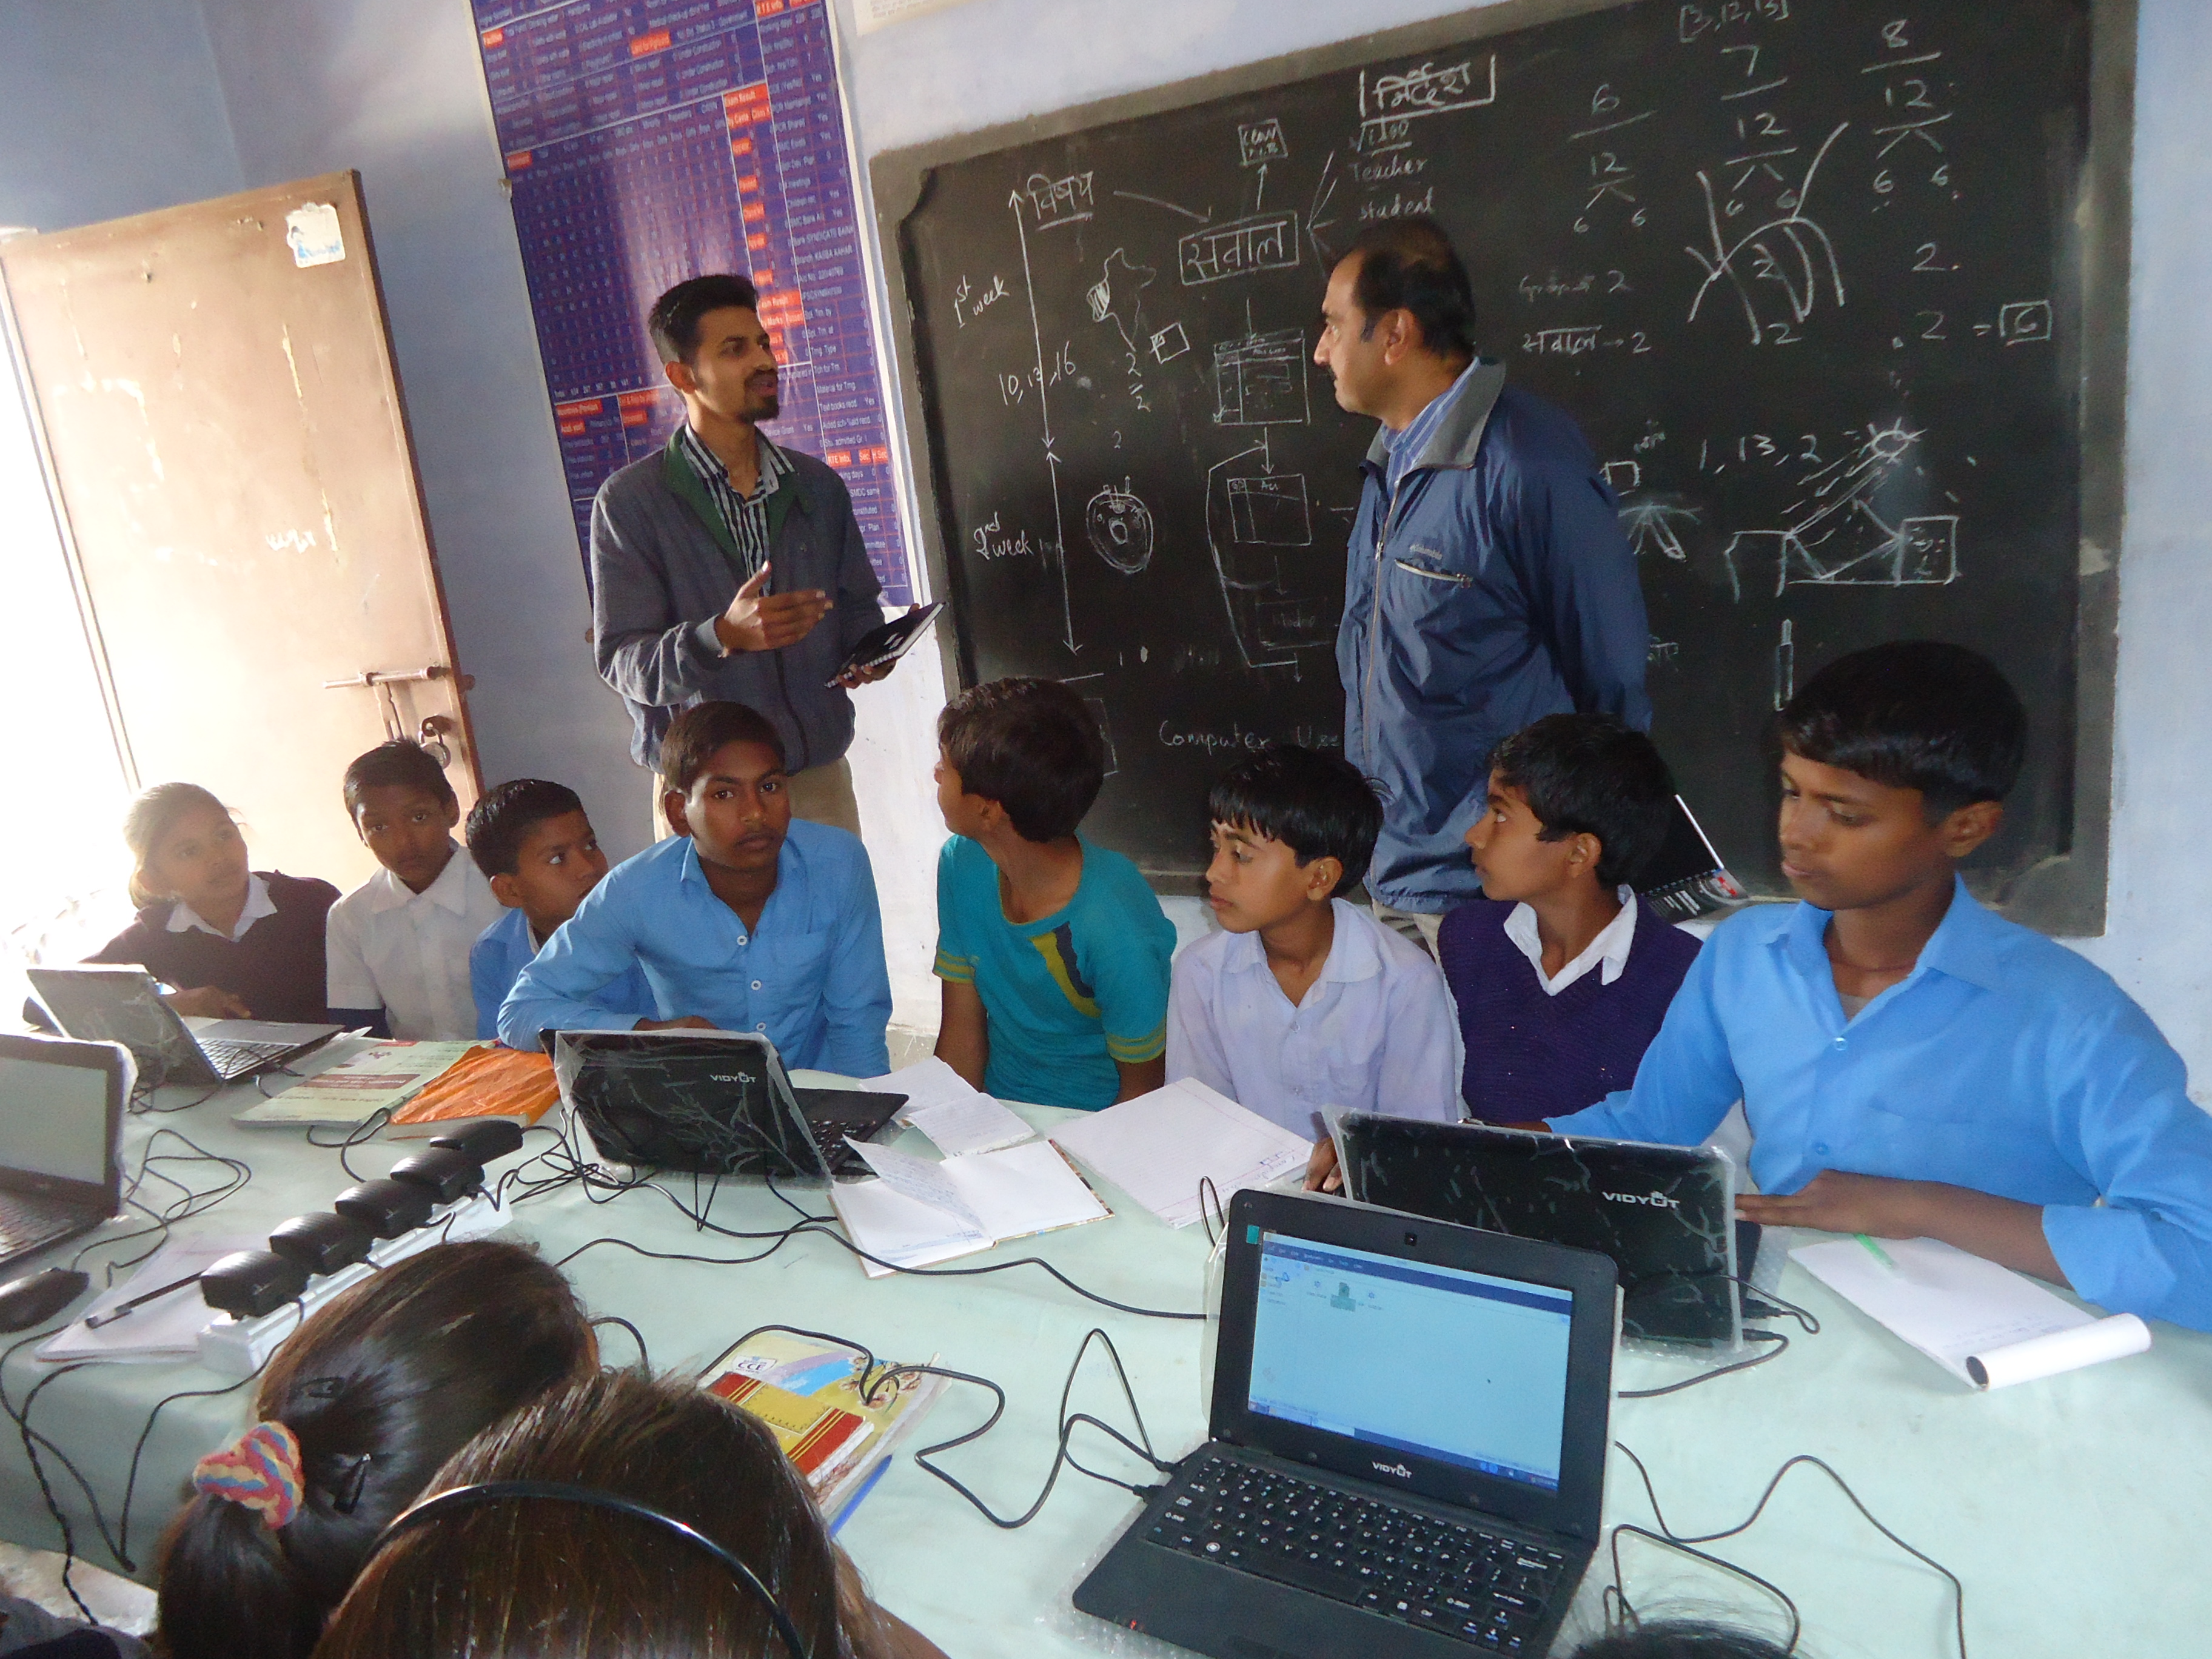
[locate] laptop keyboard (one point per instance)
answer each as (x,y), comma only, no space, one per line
(231,1057)
(27,1223)
(1481,1589)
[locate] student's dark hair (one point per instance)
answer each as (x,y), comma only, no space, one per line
(1410,265)
(1913,714)
(1589,775)
(1316,805)
(673,322)
(500,821)
(148,823)
(402,761)
(1680,1639)
(694,735)
(502,1578)
(1032,745)
(380,1387)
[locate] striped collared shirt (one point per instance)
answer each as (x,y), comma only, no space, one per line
(746,516)
(1405,446)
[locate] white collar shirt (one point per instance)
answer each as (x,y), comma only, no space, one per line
(1376,1031)
(406,952)
(183,918)
(1607,952)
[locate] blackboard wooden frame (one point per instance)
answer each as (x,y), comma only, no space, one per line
(2064,894)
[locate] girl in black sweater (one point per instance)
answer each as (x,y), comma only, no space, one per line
(237,944)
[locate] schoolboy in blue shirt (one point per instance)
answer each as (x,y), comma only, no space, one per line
(745,919)
(1053,953)
(536,847)
(1913,1065)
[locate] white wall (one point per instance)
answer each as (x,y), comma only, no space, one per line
(2158,930)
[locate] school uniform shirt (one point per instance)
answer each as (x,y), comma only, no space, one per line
(1068,996)
(810,977)
(271,958)
(504,949)
(2003,1062)
(407,953)
(1374,1032)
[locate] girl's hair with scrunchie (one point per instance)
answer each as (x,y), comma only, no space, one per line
(148,823)
(380,1388)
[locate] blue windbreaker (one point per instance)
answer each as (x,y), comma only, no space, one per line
(1495,589)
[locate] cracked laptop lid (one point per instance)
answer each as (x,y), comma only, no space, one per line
(1664,1214)
(707,1102)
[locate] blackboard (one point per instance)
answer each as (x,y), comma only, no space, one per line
(1827,285)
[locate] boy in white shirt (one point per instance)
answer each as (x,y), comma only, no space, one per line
(1304,1001)
(397,946)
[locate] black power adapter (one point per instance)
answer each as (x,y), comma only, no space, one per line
(492,1138)
(387,1207)
(251,1283)
(443,1172)
(323,1243)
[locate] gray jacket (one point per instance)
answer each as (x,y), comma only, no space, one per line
(664,567)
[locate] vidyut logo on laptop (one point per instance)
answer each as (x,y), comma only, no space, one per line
(1397,1470)
(1657,1200)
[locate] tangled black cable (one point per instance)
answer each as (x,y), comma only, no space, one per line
(873,1377)
(593,1179)
(117,1538)
(189,1203)
(1668,1538)
(1778,1345)
(353,1136)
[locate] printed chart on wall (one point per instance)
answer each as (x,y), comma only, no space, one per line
(647,141)
(1807,276)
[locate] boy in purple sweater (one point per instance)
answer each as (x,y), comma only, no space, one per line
(1562,975)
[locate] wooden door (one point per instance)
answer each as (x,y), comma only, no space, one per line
(216,385)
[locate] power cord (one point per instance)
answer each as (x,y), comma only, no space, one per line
(1779,1344)
(644,1359)
(874,1376)
(1666,1538)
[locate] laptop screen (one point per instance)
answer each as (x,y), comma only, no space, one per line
(53,1120)
(1460,1367)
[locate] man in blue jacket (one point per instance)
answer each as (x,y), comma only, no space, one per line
(1488,583)
(725,567)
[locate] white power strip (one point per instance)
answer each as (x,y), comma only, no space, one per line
(235,1347)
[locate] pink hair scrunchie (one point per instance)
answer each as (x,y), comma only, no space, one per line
(260,1471)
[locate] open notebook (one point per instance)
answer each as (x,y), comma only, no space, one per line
(917,1212)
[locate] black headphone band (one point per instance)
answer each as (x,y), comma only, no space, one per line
(488,1492)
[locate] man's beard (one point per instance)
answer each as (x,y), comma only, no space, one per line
(765,409)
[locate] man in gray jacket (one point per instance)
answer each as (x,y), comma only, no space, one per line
(727,568)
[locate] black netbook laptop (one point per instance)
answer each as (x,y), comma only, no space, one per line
(711,1102)
(1666,1215)
(1407,1450)
(97,1004)
(61,1124)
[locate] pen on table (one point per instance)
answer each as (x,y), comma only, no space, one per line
(1876,1252)
(124,1310)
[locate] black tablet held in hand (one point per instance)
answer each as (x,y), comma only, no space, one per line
(888,642)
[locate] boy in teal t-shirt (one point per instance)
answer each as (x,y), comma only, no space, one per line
(1053,953)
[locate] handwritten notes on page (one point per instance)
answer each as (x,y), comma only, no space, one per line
(1985,1324)
(1157,1148)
